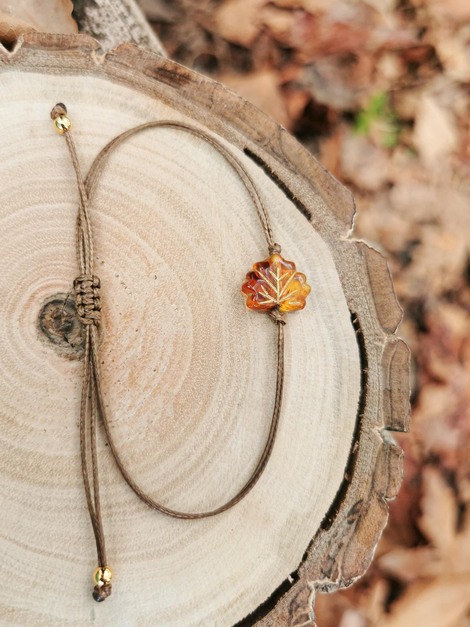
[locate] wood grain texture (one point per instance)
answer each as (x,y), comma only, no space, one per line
(188,371)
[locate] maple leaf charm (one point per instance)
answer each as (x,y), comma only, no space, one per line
(275,283)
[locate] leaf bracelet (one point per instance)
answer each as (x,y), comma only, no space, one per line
(272,285)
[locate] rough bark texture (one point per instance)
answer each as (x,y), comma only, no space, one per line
(169,208)
(113,22)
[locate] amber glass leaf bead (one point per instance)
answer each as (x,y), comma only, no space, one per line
(275,282)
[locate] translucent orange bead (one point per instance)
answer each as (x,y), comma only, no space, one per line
(275,283)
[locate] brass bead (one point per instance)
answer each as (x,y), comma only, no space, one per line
(102,576)
(62,124)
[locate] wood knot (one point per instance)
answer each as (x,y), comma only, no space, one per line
(59,323)
(87,299)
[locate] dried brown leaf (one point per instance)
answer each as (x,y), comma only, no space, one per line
(435,134)
(438,520)
(262,89)
(281,24)
(452,10)
(238,21)
(440,602)
(353,618)
(407,565)
(311,6)
(366,165)
(337,83)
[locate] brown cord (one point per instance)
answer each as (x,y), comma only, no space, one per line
(88,304)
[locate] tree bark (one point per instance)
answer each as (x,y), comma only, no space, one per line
(113,22)
(189,373)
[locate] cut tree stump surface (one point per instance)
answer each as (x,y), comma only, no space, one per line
(189,373)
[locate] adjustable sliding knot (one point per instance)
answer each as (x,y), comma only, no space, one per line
(87,299)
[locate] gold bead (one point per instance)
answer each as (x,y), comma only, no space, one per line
(102,576)
(62,124)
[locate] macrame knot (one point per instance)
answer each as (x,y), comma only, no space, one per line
(276,316)
(87,299)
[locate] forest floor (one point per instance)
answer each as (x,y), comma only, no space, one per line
(379,91)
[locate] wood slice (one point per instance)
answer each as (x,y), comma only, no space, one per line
(189,373)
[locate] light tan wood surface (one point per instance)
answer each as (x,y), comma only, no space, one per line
(188,371)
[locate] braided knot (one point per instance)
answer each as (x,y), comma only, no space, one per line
(87,299)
